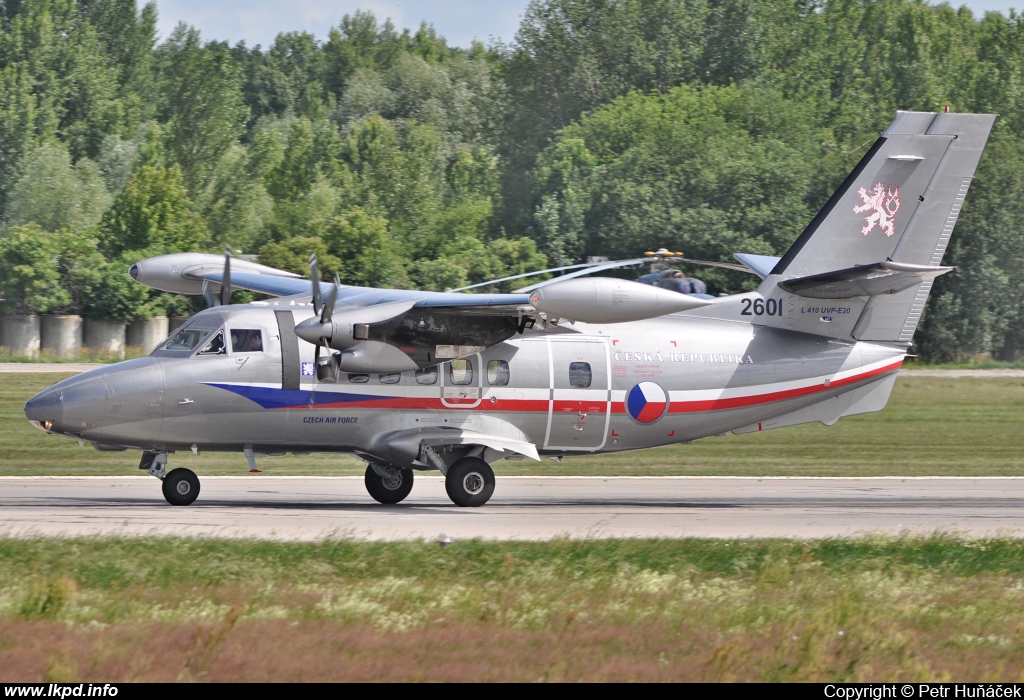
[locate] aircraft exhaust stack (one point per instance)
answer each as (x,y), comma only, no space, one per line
(606,300)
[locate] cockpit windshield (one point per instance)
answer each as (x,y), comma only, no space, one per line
(186,339)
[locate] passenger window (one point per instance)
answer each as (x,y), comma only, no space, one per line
(389,378)
(246,340)
(497,373)
(358,378)
(461,372)
(215,346)
(426,376)
(580,375)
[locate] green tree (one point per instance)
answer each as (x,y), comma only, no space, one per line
(711,172)
(56,194)
(30,279)
(153,212)
(17,124)
(979,307)
(234,203)
(203,105)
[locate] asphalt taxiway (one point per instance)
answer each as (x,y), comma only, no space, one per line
(523,508)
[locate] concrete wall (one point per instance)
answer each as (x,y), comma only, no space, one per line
(106,337)
(176,322)
(20,335)
(61,336)
(146,335)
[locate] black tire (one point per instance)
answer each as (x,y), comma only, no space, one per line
(181,487)
(390,490)
(469,482)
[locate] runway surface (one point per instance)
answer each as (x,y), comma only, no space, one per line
(37,367)
(523,508)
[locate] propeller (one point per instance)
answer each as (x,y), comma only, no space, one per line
(225,284)
(314,277)
(325,329)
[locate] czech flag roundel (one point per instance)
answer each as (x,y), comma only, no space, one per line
(646,402)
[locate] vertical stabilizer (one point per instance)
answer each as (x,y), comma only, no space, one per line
(898,205)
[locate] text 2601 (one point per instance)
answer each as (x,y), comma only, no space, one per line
(761,307)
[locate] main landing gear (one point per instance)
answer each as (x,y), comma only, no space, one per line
(180,486)
(388,484)
(469,482)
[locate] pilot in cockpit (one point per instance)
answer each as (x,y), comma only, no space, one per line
(215,346)
(246,341)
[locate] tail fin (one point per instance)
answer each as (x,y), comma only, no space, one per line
(892,216)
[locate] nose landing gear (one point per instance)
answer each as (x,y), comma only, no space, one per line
(180,486)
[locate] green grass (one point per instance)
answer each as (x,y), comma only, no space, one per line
(869,609)
(931,427)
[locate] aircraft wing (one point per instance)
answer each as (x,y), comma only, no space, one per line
(394,330)
(262,283)
(355,297)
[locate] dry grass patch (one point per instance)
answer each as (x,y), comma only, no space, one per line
(177,609)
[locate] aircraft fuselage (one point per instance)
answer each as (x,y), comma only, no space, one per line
(567,390)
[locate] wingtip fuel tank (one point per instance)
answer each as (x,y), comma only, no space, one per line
(607,300)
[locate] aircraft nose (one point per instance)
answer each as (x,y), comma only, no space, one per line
(45,409)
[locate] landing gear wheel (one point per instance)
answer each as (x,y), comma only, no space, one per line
(469,482)
(392,488)
(181,487)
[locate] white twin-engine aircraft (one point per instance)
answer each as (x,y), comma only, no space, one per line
(414,380)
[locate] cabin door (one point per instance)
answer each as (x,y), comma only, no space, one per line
(580,406)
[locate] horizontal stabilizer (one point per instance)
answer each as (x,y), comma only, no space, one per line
(760,265)
(863,280)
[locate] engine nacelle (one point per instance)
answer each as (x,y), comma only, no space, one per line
(179,272)
(607,300)
(374,356)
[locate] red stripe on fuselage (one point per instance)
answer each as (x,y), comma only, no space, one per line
(742,401)
(591,406)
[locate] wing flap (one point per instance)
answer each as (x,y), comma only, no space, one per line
(405,446)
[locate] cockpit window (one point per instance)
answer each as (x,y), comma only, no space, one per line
(215,346)
(185,339)
(246,340)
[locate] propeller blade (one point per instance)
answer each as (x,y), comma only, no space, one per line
(314,278)
(225,285)
(211,298)
(325,317)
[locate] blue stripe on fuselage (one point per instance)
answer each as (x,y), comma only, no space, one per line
(269,397)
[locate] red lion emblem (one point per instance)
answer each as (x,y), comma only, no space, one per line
(883,202)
